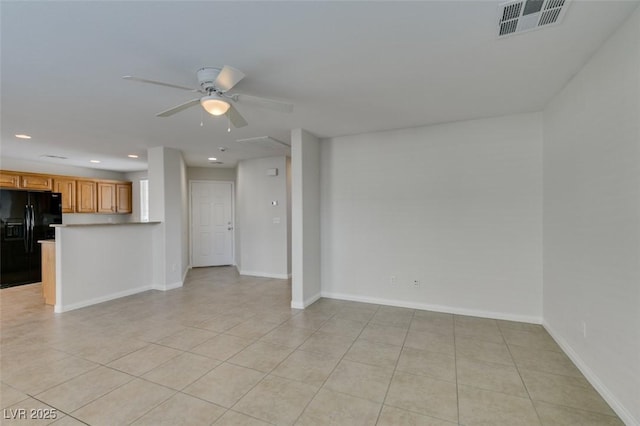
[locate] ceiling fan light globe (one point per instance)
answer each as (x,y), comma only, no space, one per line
(214,105)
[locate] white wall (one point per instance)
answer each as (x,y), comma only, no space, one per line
(211,173)
(135,178)
(96,263)
(456,206)
(65,170)
(57,169)
(168,203)
(184,219)
(261,244)
(306,246)
(592,219)
(289,219)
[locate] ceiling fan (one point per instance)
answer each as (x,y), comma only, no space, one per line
(215,84)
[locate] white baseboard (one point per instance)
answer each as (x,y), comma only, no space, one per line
(65,308)
(435,308)
(603,390)
(167,287)
(306,302)
(177,284)
(186,271)
(264,274)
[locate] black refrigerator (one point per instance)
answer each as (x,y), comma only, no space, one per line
(25,218)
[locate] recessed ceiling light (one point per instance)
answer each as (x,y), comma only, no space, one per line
(94,161)
(212,159)
(22,136)
(132,156)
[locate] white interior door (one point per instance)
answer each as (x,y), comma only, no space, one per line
(211,223)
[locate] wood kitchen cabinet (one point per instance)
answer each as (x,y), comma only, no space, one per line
(123,197)
(48,271)
(86,196)
(38,182)
(26,181)
(79,195)
(9,180)
(67,187)
(106,197)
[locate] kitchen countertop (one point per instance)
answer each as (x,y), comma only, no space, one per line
(47,241)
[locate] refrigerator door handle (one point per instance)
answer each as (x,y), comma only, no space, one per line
(33,225)
(27,224)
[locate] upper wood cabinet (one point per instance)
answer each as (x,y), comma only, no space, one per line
(26,181)
(9,180)
(39,182)
(79,195)
(123,197)
(86,196)
(67,187)
(106,197)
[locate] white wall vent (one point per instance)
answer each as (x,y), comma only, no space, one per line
(526,15)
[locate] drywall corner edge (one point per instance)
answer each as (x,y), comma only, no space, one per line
(306,303)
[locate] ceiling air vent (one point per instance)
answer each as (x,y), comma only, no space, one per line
(526,15)
(56,157)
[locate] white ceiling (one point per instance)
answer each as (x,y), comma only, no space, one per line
(348,67)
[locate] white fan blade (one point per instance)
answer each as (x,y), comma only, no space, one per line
(228,78)
(159,83)
(178,108)
(264,102)
(236,119)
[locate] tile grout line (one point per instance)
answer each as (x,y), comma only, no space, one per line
(337,363)
(552,374)
(395,366)
(225,361)
(58,409)
(455,364)
(520,375)
(270,371)
(116,316)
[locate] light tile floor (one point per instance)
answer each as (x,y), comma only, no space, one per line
(228,350)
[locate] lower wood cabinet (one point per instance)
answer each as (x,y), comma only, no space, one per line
(48,271)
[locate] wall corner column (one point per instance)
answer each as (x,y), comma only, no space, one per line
(305,219)
(168,204)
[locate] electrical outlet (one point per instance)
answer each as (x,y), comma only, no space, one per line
(392,280)
(416,283)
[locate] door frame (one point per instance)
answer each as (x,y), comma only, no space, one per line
(233,217)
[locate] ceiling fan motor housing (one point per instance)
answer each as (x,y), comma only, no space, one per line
(207,77)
